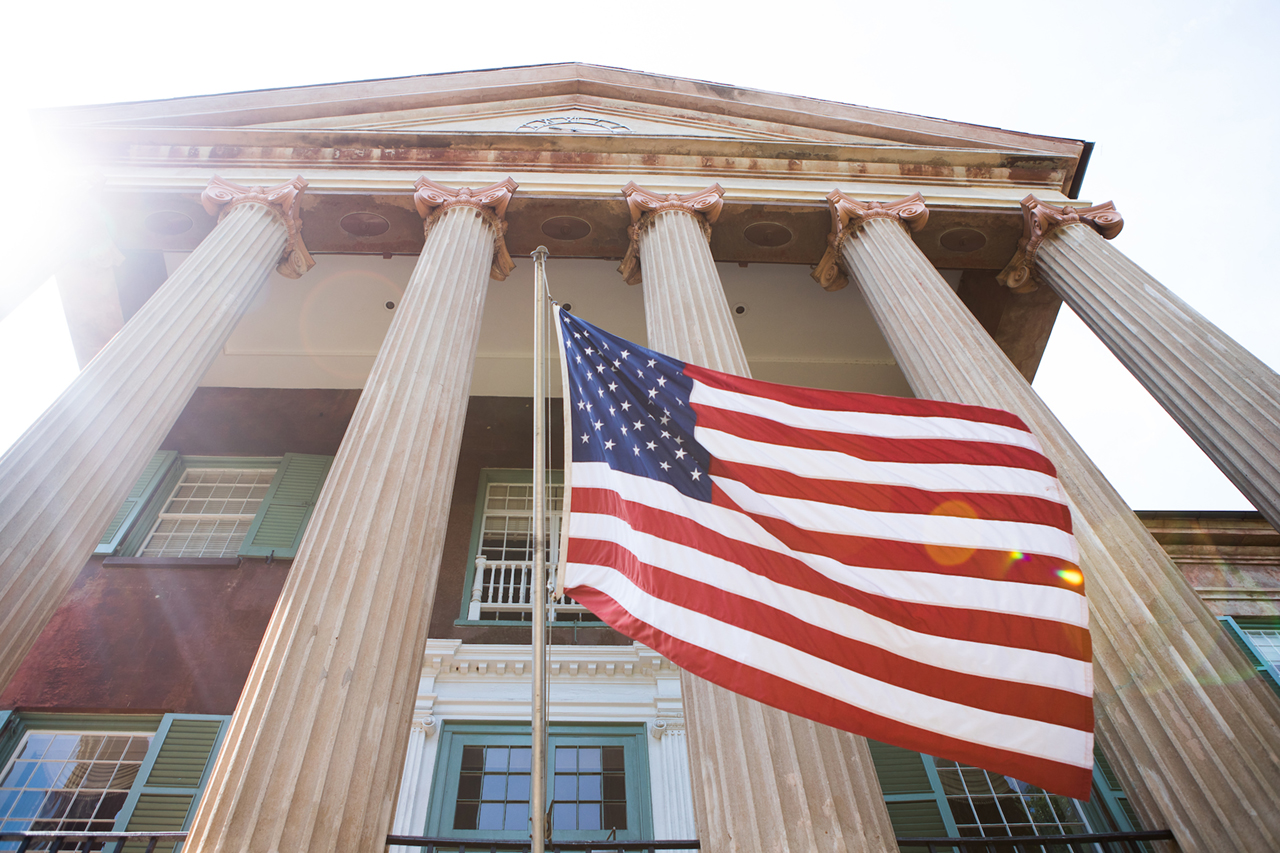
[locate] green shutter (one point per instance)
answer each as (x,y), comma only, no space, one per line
(12,728)
(1264,669)
(1114,808)
(139,495)
(911,796)
(172,777)
(287,507)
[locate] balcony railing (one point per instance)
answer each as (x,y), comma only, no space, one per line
(1098,842)
(501,590)
(109,842)
(1103,842)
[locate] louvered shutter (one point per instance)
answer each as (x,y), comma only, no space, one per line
(283,517)
(1264,669)
(133,505)
(172,777)
(914,806)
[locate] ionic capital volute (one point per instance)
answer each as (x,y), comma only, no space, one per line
(1039,220)
(848,216)
(432,200)
(284,200)
(703,205)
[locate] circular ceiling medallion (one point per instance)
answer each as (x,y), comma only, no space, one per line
(963,240)
(167,222)
(566,228)
(770,235)
(362,223)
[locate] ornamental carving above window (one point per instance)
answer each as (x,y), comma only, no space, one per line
(575,124)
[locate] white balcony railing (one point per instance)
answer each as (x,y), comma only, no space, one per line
(501,590)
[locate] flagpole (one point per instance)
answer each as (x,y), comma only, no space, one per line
(538,584)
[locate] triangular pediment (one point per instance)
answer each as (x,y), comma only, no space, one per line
(569,98)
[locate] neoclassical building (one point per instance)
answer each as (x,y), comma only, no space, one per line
(264,566)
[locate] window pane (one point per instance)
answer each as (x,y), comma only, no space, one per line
(472,757)
(566,788)
(209,512)
(518,787)
(469,786)
(495,787)
(464,816)
(566,759)
(615,787)
(517,816)
(492,816)
(615,816)
(495,759)
(589,816)
(564,816)
(589,759)
(521,758)
(589,787)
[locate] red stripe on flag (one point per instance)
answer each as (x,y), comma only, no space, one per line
(921,451)
(1016,699)
(912,557)
(844,401)
(1058,777)
(875,497)
(979,626)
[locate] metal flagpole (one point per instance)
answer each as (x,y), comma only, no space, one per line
(538,584)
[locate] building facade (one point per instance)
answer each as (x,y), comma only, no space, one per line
(264,566)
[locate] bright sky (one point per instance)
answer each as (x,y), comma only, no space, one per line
(1179,97)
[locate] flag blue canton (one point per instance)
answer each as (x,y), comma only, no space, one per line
(629,407)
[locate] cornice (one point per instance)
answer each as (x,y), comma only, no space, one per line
(452,660)
(1039,221)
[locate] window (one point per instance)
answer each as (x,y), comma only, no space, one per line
(936,797)
(105,773)
(501,566)
(208,513)
(75,781)
(1259,638)
(597,782)
(191,506)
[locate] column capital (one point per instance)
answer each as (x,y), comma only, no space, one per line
(1039,220)
(432,200)
(703,205)
(848,215)
(221,195)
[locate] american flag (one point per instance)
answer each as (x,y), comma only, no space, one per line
(902,569)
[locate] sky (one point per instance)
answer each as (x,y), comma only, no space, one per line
(1179,97)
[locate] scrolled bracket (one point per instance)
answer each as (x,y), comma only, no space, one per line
(1039,220)
(848,215)
(433,200)
(703,205)
(284,200)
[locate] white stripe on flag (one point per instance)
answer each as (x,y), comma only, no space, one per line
(1031,737)
(944,530)
(833,465)
(1042,602)
(988,661)
(861,423)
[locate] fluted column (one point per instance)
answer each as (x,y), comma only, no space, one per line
(313,758)
(64,479)
(1226,399)
(1191,732)
(763,780)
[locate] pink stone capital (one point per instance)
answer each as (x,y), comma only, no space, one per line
(433,199)
(1039,220)
(848,215)
(284,200)
(703,205)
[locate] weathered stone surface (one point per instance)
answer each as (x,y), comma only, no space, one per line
(64,479)
(1224,396)
(1195,742)
(314,754)
(763,780)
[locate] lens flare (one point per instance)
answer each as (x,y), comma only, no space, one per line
(1071,576)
